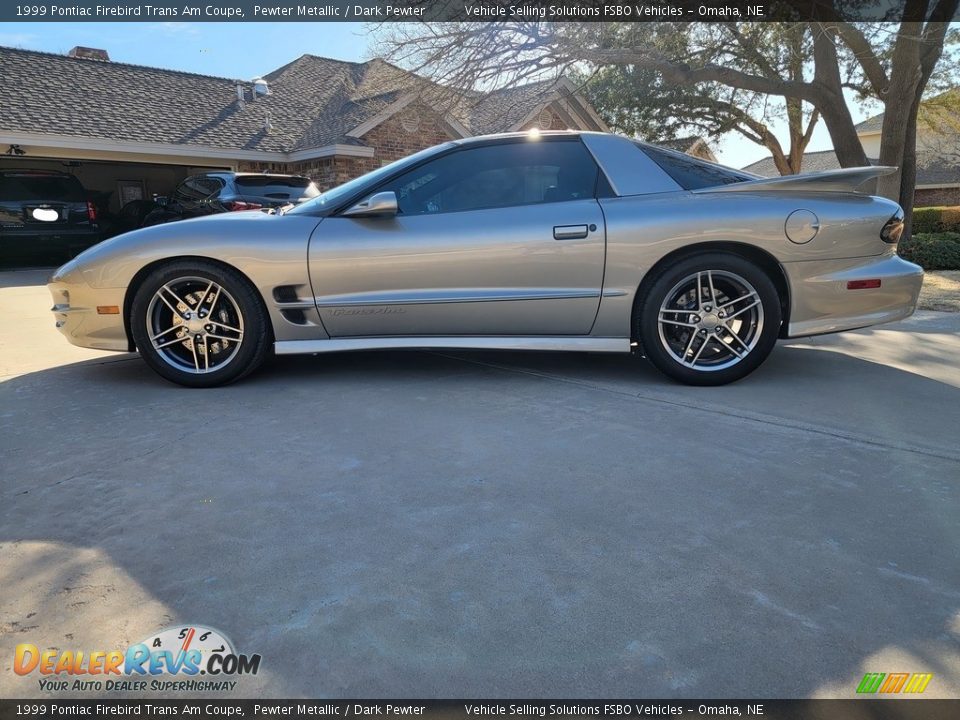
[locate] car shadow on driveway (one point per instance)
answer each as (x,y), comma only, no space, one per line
(493,524)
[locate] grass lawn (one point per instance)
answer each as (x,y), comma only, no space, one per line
(941,291)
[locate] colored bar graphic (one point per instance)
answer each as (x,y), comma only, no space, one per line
(871,682)
(894,683)
(918,682)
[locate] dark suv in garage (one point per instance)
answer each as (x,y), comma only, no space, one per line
(45,216)
(218,192)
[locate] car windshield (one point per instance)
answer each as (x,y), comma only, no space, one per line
(334,196)
(40,187)
(278,187)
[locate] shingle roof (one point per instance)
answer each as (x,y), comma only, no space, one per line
(507,107)
(871,124)
(930,170)
(313,102)
(812,162)
(945,101)
(60,95)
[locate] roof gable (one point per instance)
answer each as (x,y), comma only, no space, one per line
(314,102)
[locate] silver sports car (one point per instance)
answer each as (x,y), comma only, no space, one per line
(533,241)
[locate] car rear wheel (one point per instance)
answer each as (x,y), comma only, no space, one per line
(709,319)
(199,324)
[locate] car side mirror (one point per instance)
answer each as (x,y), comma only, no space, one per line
(378,204)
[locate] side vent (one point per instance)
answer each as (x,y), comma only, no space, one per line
(291,305)
(297,317)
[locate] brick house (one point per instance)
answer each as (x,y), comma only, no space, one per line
(128,130)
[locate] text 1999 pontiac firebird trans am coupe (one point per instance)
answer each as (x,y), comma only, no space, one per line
(553,241)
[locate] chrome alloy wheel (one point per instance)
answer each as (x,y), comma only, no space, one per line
(194,324)
(710,320)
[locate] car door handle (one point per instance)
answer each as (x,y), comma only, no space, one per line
(569,232)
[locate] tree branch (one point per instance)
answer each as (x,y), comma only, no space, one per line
(862,50)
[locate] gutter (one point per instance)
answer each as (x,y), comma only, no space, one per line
(74,142)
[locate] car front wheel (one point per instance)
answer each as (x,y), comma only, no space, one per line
(199,324)
(709,319)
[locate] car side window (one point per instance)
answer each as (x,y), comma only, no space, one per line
(689,172)
(494,176)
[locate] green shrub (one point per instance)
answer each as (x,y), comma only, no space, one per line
(936,219)
(932,251)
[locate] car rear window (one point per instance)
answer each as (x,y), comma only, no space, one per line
(25,187)
(278,188)
(691,173)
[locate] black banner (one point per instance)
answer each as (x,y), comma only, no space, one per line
(450,10)
(855,709)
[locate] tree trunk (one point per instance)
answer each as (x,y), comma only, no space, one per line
(900,109)
(831,103)
(921,47)
(908,172)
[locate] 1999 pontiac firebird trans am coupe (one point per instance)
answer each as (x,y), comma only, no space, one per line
(553,241)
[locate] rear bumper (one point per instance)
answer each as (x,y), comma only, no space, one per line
(31,240)
(75,311)
(821,303)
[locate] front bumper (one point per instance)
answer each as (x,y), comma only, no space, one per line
(75,308)
(820,301)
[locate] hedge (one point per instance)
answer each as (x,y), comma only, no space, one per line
(932,251)
(936,219)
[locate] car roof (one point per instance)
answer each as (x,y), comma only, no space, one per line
(524,134)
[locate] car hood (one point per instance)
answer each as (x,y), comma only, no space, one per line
(229,237)
(205,225)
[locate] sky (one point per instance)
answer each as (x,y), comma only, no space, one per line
(247,50)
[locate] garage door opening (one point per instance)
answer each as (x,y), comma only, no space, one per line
(120,194)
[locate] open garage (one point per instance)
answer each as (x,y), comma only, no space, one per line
(121,191)
(111,185)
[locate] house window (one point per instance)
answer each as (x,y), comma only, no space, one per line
(546,119)
(410,121)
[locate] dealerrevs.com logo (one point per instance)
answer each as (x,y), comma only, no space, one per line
(191,658)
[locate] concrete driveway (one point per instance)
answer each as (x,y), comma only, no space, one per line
(475,524)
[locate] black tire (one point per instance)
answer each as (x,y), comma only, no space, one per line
(701,342)
(237,321)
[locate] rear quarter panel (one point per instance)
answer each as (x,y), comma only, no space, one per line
(643,230)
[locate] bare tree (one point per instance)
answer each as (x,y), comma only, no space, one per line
(896,71)
(499,54)
(891,62)
(639,101)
